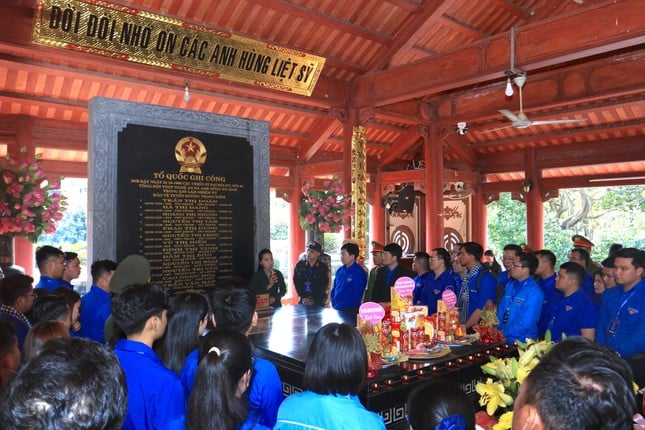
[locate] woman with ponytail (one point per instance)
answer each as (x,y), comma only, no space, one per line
(217,401)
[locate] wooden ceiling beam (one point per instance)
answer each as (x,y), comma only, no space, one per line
(325,168)
(400,146)
(463,28)
(512,8)
(320,134)
(609,27)
(461,148)
(575,154)
(320,19)
(413,31)
(407,5)
(603,79)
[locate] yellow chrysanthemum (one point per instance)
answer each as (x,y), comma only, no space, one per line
(505,422)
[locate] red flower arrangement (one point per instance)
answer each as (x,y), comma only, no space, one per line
(327,210)
(30,205)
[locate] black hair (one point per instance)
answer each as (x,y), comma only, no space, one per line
(637,256)
(135,304)
(74,383)
(13,287)
(548,255)
(40,333)
(394,249)
(261,255)
(50,308)
(351,248)
(609,262)
(474,249)
(529,260)
(423,258)
(46,252)
(225,356)
(336,361)
(615,247)
(581,385)
(233,306)
(71,297)
(431,403)
(187,311)
(101,268)
(69,256)
(445,256)
(513,247)
(575,271)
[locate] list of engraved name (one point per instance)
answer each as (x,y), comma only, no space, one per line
(185,228)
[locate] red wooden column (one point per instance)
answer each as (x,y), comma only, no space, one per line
(377,213)
(296,233)
(534,203)
(479,217)
(433,178)
(23,249)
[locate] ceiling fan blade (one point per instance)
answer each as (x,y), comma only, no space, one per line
(508,114)
(496,129)
(558,121)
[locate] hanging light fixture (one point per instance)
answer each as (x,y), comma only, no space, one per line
(186,93)
(509,87)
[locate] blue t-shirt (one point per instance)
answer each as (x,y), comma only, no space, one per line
(49,283)
(621,325)
(479,296)
(265,389)
(95,310)
(552,298)
(434,288)
(349,285)
(420,289)
(572,314)
(155,396)
(519,310)
(309,411)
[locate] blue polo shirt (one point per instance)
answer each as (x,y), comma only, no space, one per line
(572,314)
(265,389)
(434,289)
(349,285)
(155,396)
(420,289)
(552,298)
(621,325)
(49,283)
(95,310)
(519,310)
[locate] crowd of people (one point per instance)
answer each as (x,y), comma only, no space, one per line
(145,360)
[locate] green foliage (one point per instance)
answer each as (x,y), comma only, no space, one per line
(71,229)
(279,231)
(603,215)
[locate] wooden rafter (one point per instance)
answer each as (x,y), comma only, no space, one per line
(322,131)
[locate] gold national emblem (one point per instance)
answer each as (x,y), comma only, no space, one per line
(190,153)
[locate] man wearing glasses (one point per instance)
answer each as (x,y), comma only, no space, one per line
(520,308)
(17,294)
(511,251)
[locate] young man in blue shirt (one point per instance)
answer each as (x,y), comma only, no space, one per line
(576,314)
(96,304)
(519,310)
(350,281)
(155,395)
(552,297)
(478,285)
(51,265)
(621,325)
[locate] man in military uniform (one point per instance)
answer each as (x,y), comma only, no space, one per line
(311,277)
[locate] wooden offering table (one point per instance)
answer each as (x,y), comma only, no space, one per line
(291,330)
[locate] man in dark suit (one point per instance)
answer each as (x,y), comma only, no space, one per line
(387,275)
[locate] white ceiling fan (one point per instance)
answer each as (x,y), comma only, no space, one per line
(521,120)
